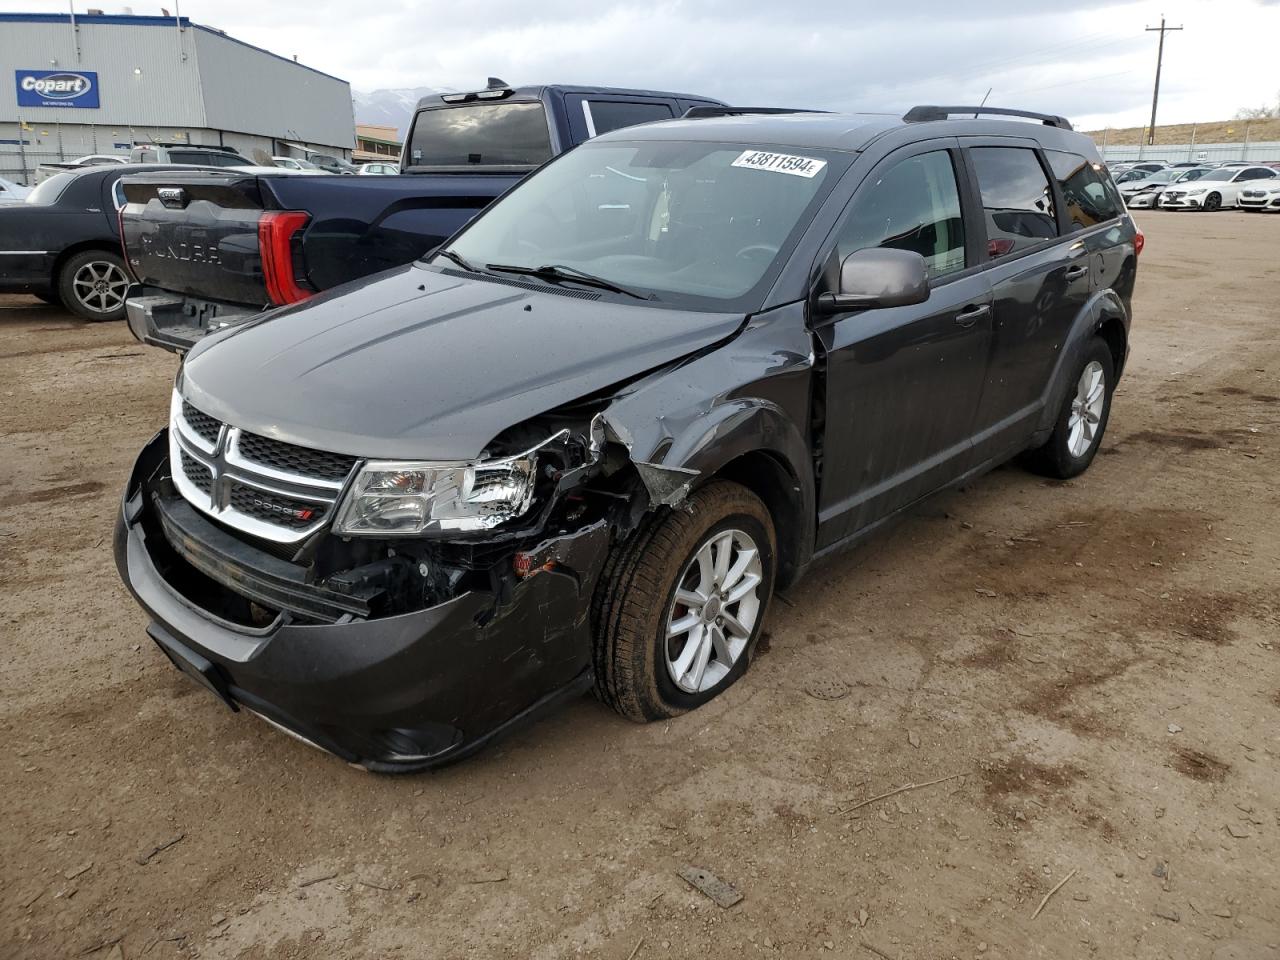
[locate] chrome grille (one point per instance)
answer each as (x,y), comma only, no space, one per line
(267,488)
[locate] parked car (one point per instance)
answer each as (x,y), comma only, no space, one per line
(1145,193)
(269,240)
(296,163)
(1186,164)
(330,164)
(46,170)
(63,243)
(11,192)
(583,443)
(378,169)
(1260,196)
(186,153)
(1129,176)
(1215,190)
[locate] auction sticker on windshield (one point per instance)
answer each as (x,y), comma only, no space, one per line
(808,167)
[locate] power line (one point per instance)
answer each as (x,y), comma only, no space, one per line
(1155,94)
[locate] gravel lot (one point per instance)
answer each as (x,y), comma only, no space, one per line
(1096,663)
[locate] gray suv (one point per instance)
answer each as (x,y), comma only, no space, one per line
(582,444)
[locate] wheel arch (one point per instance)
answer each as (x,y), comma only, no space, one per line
(752,442)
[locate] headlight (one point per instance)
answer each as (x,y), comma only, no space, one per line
(1197,191)
(403,498)
(391,498)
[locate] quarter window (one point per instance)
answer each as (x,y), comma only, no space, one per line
(1088,196)
(1017,201)
(913,205)
(604,115)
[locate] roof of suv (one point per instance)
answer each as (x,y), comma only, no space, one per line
(834,131)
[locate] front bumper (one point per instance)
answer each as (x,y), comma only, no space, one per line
(174,322)
(398,693)
(1181,203)
(1268,203)
(1141,201)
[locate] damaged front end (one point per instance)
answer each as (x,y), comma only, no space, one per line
(395,650)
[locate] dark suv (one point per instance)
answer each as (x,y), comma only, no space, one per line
(582,444)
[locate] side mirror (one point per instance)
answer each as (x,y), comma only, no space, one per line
(878,277)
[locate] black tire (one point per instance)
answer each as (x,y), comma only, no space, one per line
(636,596)
(87,299)
(1213,202)
(1054,458)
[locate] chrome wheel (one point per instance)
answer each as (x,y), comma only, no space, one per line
(1086,409)
(100,286)
(714,611)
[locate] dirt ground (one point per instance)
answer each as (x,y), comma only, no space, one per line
(1094,664)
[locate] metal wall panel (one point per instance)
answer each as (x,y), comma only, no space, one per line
(144,82)
(251,91)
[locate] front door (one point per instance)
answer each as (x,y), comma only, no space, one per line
(902,383)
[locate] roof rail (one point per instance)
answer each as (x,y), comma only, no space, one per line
(702,113)
(923,114)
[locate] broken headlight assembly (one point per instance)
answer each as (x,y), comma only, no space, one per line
(405,498)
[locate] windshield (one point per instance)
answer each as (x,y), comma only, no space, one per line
(48,191)
(1220,174)
(1164,176)
(483,134)
(678,220)
(1195,173)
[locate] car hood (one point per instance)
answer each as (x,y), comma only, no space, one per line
(429,364)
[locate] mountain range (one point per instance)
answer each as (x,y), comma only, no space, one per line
(393,107)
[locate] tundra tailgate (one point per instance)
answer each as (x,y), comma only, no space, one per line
(196,234)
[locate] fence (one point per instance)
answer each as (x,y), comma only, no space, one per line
(1174,152)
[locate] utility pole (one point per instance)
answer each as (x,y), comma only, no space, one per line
(1155,96)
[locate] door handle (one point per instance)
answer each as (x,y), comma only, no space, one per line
(971,314)
(1076,272)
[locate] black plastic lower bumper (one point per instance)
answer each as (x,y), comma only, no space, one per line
(393,694)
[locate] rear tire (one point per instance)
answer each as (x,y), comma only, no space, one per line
(92,285)
(1082,420)
(672,573)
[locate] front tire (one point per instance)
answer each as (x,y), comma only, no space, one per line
(92,285)
(1213,202)
(682,603)
(1082,420)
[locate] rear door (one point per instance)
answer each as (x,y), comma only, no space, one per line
(591,115)
(1040,281)
(902,383)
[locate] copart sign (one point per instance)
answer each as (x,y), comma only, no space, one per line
(57,88)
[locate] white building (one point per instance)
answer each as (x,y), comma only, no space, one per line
(100,83)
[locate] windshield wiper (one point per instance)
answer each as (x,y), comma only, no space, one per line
(553,272)
(458,259)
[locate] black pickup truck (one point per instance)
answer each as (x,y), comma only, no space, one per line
(210,249)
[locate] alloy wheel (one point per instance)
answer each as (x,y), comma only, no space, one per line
(1086,409)
(100,286)
(714,611)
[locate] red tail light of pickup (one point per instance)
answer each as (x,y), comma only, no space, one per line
(276,230)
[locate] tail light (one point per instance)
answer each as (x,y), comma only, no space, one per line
(1139,239)
(276,230)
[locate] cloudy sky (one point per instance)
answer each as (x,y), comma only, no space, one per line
(1087,59)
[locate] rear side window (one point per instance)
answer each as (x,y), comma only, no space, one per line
(912,205)
(1089,197)
(483,134)
(1017,201)
(605,115)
